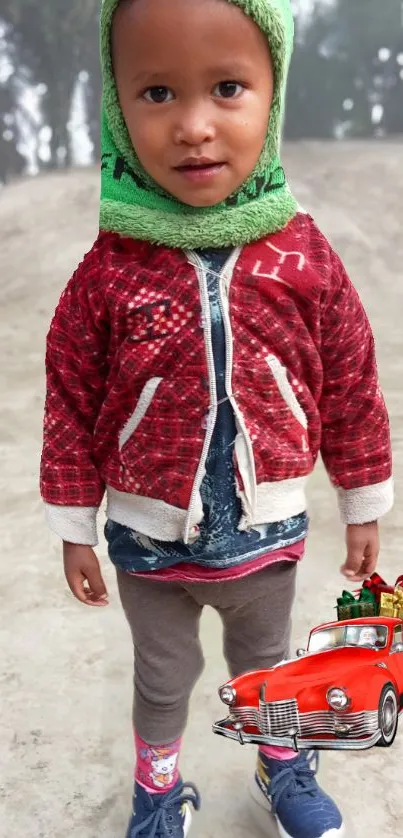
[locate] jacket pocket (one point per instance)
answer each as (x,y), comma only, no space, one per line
(280,376)
(146,396)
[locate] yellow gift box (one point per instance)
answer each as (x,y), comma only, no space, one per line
(391,605)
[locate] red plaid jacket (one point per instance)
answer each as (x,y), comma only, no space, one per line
(131,398)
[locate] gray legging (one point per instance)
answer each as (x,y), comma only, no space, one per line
(164,620)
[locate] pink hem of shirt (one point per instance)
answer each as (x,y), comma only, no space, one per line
(189,572)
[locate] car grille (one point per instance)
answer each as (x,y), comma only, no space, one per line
(274,717)
(279,718)
(326,721)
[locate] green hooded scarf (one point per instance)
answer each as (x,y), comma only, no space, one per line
(132,204)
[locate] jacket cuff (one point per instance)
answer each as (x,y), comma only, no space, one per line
(77,524)
(366,504)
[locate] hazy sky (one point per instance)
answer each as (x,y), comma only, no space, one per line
(306,5)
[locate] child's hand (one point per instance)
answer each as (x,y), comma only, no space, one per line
(82,566)
(362,551)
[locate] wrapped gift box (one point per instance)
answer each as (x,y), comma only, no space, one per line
(377,586)
(391,604)
(376,598)
(350,607)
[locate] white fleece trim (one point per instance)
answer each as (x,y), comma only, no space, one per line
(189,532)
(243,443)
(144,401)
(280,376)
(246,467)
(368,503)
(157,519)
(280,500)
(77,524)
(151,517)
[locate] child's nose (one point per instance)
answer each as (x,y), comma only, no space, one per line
(194,127)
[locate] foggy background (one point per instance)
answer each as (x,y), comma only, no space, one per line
(66,751)
(346,79)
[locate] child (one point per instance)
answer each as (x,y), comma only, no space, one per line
(207,348)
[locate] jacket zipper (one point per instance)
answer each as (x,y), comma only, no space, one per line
(202,277)
(197,263)
(246,521)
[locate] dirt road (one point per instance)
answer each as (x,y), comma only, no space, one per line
(66,671)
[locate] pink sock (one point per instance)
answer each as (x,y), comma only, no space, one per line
(272,752)
(157,765)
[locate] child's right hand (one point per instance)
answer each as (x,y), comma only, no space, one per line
(83,574)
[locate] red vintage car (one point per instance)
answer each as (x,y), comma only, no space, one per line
(344,692)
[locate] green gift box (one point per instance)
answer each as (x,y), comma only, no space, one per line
(350,608)
(367,609)
(347,606)
(368,603)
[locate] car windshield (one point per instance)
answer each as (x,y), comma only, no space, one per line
(367,636)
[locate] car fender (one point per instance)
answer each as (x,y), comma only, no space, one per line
(366,692)
(364,686)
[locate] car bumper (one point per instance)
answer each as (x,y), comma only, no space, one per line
(298,743)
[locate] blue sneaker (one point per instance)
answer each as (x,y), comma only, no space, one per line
(290,791)
(163,815)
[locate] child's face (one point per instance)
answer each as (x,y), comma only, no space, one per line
(195,84)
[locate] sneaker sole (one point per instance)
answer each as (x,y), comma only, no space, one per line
(188,821)
(262,812)
(264,805)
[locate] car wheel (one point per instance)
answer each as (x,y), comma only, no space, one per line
(388,715)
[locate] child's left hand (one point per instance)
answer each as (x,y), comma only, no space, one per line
(362,551)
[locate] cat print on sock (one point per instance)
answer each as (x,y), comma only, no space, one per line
(163,763)
(157,765)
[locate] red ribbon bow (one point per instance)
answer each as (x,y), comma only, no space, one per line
(378,586)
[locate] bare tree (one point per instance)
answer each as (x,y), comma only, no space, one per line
(52,38)
(368,37)
(12,162)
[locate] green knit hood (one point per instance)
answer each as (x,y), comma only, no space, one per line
(132,204)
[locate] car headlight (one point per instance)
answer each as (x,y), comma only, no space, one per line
(337,698)
(227,695)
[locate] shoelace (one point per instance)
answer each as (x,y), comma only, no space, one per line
(294,780)
(159,821)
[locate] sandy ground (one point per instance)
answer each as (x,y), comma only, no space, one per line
(66,670)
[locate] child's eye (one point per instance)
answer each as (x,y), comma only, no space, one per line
(228,89)
(158,95)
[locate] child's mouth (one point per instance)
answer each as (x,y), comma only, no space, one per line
(199,169)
